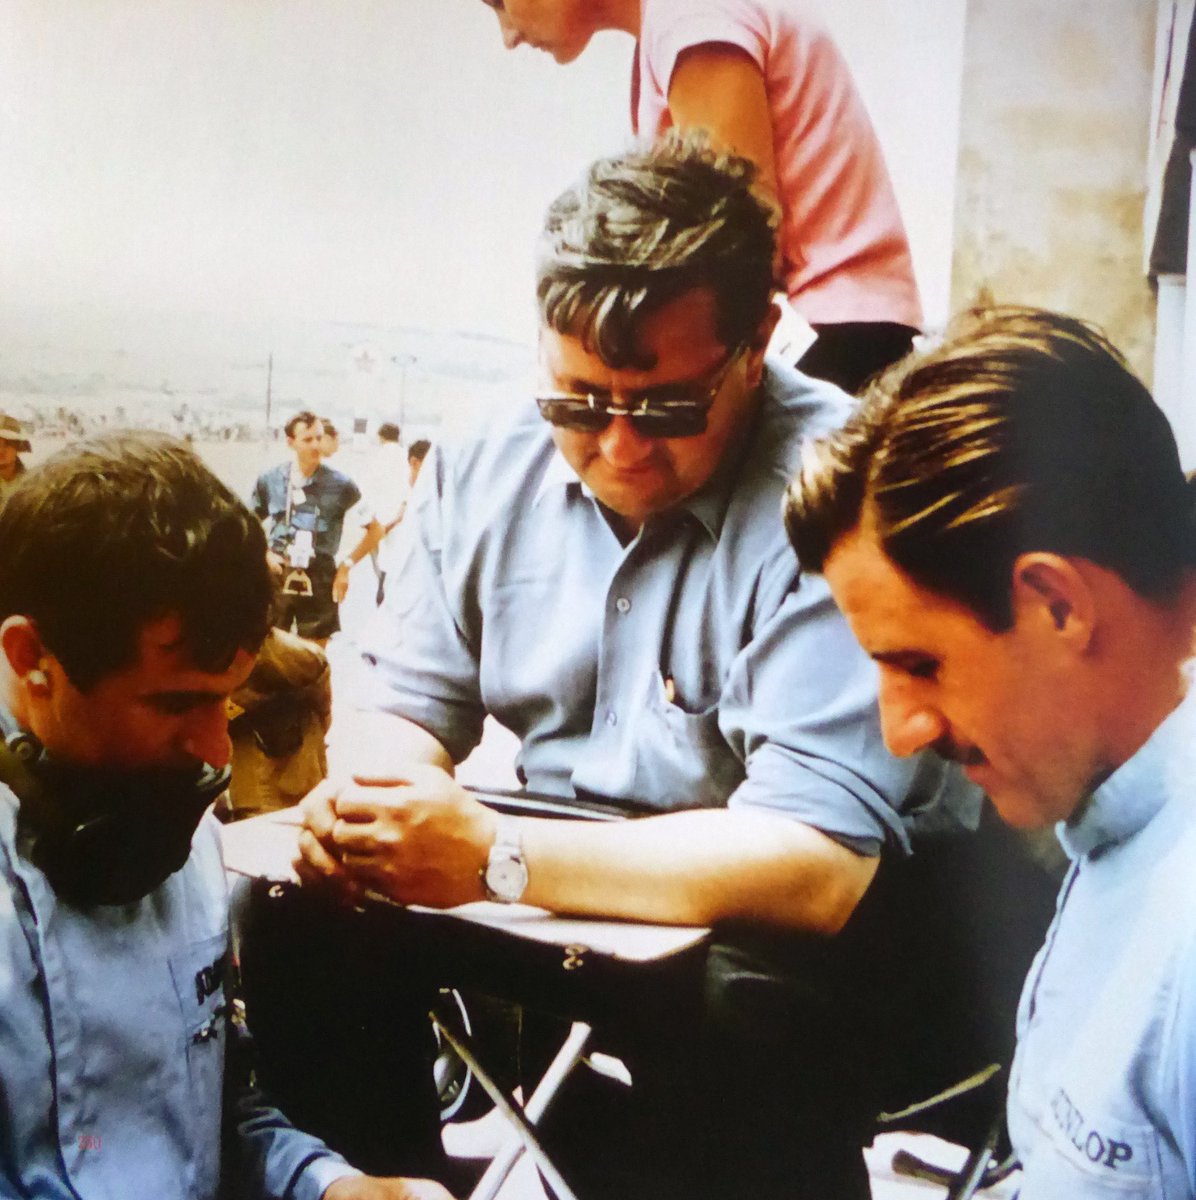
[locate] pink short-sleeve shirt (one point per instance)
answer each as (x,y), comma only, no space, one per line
(846,254)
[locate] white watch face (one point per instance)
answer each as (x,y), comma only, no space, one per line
(506,878)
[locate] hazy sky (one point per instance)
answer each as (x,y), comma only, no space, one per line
(359,160)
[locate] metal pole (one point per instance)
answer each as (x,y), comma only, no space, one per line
(269,380)
(507,1106)
(511,1151)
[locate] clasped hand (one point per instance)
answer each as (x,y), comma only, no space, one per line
(418,838)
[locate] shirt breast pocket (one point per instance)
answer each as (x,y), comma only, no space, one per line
(682,759)
(198,972)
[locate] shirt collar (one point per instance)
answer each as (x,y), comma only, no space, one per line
(295,473)
(1140,788)
(558,474)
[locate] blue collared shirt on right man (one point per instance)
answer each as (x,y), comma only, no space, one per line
(1103,1090)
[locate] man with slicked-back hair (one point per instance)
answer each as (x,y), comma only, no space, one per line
(1006,527)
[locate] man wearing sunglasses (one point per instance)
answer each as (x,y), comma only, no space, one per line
(608,576)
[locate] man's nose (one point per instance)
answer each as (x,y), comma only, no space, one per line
(206,735)
(622,446)
(907,723)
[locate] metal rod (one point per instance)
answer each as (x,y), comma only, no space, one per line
(558,1071)
(508,1107)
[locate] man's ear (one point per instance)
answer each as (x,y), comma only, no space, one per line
(758,343)
(1050,593)
(21,645)
(764,330)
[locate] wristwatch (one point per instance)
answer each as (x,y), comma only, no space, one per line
(505,875)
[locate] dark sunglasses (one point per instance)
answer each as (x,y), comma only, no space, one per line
(673,410)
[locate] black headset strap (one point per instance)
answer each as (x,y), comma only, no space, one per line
(19,749)
(8,723)
(14,774)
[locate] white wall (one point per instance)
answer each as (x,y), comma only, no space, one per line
(906,56)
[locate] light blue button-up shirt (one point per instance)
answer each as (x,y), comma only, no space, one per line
(1103,1091)
(695,666)
(112,1041)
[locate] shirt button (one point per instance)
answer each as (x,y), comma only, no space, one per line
(612,718)
(623,604)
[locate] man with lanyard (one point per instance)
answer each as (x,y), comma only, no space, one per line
(303,504)
(1008,530)
(606,573)
(134,594)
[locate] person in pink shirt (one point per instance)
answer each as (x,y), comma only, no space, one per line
(766,80)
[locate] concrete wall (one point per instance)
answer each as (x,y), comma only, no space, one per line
(1054,132)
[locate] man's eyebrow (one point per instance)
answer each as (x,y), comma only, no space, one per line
(580,387)
(902,659)
(583,387)
(183,697)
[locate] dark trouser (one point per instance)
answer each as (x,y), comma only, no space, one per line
(758,1068)
(852,352)
(342,1042)
(314,616)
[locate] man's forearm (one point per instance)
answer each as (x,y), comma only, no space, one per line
(410,832)
(696,868)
